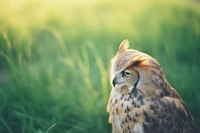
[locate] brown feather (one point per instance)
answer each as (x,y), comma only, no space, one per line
(144,103)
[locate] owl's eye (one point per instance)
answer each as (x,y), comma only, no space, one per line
(127,74)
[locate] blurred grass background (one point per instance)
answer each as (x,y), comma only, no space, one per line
(55,57)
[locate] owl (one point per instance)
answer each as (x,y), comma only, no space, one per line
(141,99)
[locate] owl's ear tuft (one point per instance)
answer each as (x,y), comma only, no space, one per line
(123,46)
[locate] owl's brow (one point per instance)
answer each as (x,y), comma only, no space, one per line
(135,64)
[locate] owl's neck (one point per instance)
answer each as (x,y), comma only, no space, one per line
(155,85)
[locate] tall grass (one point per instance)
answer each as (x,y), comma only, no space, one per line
(55,57)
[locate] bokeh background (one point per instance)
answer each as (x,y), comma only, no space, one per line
(55,58)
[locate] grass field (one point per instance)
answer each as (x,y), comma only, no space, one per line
(55,57)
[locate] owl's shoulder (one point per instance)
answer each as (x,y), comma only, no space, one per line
(168,114)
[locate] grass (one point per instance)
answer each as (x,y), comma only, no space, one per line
(55,57)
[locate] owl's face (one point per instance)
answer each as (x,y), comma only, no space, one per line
(133,69)
(127,77)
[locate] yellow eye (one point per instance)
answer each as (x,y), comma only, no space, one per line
(127,74)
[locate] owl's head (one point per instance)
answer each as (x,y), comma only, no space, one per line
(134,69)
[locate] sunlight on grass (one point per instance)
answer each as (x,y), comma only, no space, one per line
(55,58)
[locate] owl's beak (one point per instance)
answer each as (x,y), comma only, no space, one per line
(114,81)
(117,81)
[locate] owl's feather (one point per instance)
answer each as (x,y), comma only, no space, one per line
(144,103)
(123,46)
